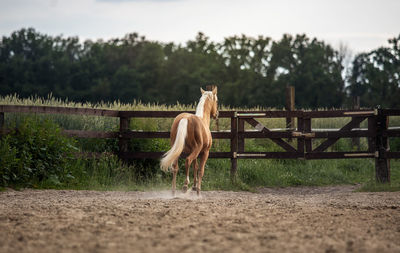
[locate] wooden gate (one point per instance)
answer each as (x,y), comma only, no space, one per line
(377,134)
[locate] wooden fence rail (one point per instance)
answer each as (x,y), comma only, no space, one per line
(377,133)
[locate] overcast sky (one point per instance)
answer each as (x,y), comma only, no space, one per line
(362,25)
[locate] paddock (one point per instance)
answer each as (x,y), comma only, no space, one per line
(301,219)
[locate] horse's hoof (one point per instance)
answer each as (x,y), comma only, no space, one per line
(185,188)
(194,188)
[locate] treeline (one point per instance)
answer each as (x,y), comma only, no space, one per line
(248,71)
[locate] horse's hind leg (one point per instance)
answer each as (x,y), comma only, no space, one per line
(203,161)
(175,169)
(195,180)
(189,160)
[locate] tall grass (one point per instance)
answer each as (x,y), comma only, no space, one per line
(110,173)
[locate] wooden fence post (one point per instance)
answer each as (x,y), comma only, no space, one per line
(382,165)
(355,141)
(123,142)
(300,141)
(234,145)
(210,87)
(307,129)
(372,131)
(290,96)
(290,107)
(241,140)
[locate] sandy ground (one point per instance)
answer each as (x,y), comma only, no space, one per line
(305,219)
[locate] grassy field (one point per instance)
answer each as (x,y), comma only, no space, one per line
(108,173)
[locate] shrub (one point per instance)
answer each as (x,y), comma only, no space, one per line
(9,164)
(36,154)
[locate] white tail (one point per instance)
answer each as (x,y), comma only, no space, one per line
(177,148)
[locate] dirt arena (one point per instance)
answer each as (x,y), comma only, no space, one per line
(304,219)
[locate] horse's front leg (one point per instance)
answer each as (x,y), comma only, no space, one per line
(187,181)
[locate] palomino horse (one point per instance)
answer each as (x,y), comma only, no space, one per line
(190,134)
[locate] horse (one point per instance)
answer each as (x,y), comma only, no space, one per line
(191,135)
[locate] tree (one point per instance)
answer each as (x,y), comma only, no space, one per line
(313,67)
(188,68)
(376,76)
(247,61)
(249,71)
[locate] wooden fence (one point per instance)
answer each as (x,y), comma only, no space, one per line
(377,133)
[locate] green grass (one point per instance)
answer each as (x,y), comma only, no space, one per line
(376,187)
(372,186)
(110,174)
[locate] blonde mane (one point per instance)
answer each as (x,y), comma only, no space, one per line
(200,105)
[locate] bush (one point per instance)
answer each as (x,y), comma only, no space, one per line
(36,154)
(9,164)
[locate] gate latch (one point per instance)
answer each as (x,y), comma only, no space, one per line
(305,135)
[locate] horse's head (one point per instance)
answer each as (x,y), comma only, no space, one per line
(213,101)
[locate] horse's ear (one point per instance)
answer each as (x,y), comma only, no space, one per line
(215,90)
(202,91)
